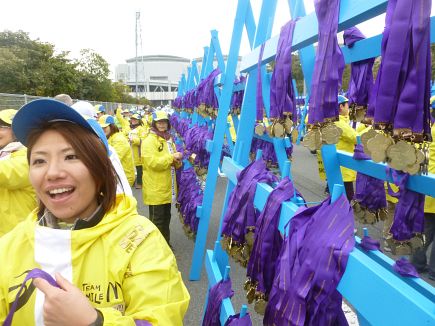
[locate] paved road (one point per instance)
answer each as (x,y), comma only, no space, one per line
(305,176)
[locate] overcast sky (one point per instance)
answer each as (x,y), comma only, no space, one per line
(171,27)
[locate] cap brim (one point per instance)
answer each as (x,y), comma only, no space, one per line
(34,114)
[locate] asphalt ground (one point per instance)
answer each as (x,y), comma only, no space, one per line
(307,181)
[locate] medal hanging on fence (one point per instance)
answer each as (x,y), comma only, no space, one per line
(239,219)
(282,95)
(267,245)
(402,88)
(408,221)
(305,278)
(361,78)
(259,126)
(328,70)
(369,203)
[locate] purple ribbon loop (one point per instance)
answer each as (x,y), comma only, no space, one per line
(405,268)
(268,240)
(312,261)
(368,243)
(34,273)
(236,320)
(328,66)
(216,294)
(282,94)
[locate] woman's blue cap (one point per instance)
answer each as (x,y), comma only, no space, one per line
(35,113)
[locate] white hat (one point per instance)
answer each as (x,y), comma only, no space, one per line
(85,108)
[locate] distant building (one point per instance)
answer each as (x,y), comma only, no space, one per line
(157,76)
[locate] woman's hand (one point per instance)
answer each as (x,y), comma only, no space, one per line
(65,306)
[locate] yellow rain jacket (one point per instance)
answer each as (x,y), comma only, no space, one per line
(17,197)
(429,203)
(346,143)
(120,143)
(125,125)
(123,265)
(158,182)
(232,129)
(136,136)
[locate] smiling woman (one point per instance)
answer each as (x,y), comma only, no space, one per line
(112,265)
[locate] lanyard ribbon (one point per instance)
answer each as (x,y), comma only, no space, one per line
(282,94)
(328,66)
(216,294)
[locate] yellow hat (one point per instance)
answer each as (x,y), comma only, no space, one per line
(106,120)
(160,115)
(7,115)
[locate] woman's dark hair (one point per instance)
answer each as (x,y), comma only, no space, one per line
(113,130)
(153,124)
(91,151)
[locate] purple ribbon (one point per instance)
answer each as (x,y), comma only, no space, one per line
(241,213)
(368,243)
(34,273)
(403,81)
(216,294)
(361,78)
(205,90)
(369,191)
(268,240)
(328,66)
(405,268)
(259,95)
(39,273)
(409,211)
(312,261)
(236,320)
(282,94)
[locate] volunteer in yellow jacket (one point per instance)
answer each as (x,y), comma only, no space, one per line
(123,121)
(346,143)
(17,196)
(419,258)
(137,133)
(121,145)
(112,265)
(160,159)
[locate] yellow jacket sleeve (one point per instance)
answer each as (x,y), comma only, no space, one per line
(14,172)
(152,157)
(122,147)
(125,125)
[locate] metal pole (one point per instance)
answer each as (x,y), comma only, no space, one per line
(137,22)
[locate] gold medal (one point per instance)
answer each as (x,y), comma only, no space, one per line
(370,218)
(416,242)
(259,129)
(313,140)
(365,138)
(377,147)
(247,284)
(419,162)
(295,135)
(278,130)
(400,155)
(260,304)
(250,295)
(249,238)
(382,214)
(224,243)
(331,133)
(288,124)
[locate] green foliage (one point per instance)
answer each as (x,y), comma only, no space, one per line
(32,67)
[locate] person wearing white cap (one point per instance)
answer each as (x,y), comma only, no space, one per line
(111,265)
